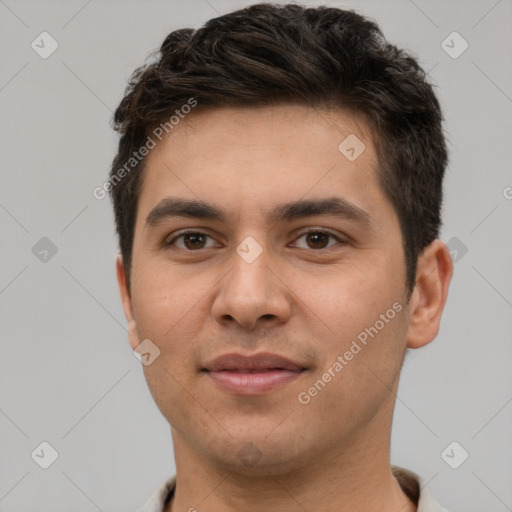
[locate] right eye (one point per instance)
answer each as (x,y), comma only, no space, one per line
(191,241)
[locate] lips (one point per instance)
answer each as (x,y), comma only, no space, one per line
(252,375)
(254,363)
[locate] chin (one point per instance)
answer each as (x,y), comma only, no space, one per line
(258,456)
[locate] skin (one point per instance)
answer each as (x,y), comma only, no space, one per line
(304,298)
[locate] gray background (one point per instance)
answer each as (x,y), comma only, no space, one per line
(67,374)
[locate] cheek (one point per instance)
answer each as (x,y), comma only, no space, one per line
(349,299)
(361,365)
(168,313)
(164,302)
(168,310)
(362,317)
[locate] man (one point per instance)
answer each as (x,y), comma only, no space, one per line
(277,195)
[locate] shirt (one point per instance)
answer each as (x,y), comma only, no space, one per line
(412,485)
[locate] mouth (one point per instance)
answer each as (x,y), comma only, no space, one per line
(252,375)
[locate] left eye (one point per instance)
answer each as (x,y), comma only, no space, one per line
(318,239)
(194,240)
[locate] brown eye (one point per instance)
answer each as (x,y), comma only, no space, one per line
(191,241)
(194,241)
(319,239)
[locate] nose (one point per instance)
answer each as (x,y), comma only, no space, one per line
(251,294)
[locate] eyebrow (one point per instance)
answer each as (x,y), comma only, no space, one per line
(334,206)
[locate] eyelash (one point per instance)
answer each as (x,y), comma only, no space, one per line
(304,233)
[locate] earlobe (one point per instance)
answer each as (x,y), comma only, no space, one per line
(126,302)
(434,272)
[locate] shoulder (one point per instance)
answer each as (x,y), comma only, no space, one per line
(416,488)
(160,497)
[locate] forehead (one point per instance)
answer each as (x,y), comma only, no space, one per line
(253,128)
(243,157)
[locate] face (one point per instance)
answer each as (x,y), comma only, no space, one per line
(293,269)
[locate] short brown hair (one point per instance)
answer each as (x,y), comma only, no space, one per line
(270,54)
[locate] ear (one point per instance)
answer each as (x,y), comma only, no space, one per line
(127,303)
(433,275)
